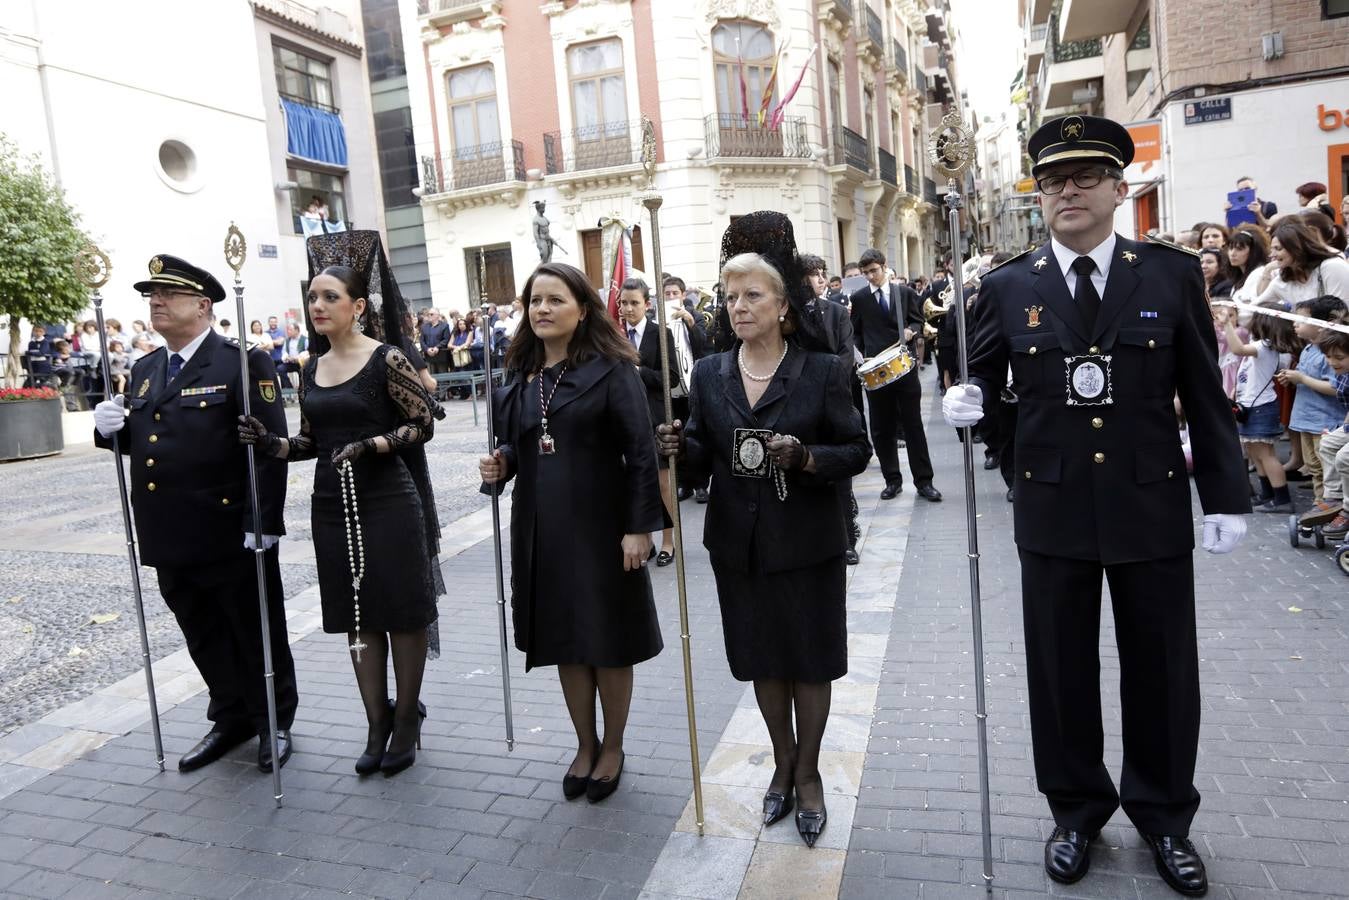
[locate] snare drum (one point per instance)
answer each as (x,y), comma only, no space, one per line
(886,367)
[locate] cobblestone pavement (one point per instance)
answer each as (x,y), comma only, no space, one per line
(65,562)
(471,820)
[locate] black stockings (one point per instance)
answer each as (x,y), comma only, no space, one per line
(796,755)
(409,662)
(579,686)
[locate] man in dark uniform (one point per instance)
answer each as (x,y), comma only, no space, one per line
(881,313)
(189,487)
(1102,333)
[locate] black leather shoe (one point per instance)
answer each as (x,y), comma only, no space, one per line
(210,748)
(574,786)
(700,495)
(851,558)
(684,494)
(892,490)
(1179,864)
(810,824)
(376,741)
(600,788)
(990,462)
(1067,855)
(664,558)
(393,763)
(776,806)
(283,746)
(928,492)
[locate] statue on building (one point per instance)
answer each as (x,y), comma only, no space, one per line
(542,239)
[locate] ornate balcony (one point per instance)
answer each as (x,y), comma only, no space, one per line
(887,167)
(736,136)
(910,181)
(870,36)
(604,146)
(448,12)
(474,167)
(836,12)
(854,151)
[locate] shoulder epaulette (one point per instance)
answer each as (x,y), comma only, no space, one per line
(1013,259)
(1177,247)
(233,342)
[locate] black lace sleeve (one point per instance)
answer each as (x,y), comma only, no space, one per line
(407,393)
(303,445)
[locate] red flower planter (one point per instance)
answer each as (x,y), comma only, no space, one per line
(30,423)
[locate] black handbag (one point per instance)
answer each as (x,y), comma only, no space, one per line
(1242,413)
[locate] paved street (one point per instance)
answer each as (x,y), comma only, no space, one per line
(88,815)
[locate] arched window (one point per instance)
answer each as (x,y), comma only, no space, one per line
(599,103)
(742,59)
(473,109)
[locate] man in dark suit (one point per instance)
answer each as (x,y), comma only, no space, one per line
(435,333)
(1101,334)
(189,488)
(690,342)
(884,314)
(633,301)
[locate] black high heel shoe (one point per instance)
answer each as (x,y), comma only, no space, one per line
(393,763)
(600,788)
(375,743)
(776,806)
(810,823)
(574,786)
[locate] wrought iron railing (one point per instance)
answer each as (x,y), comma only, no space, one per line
(593,147)
(930,192)
(920,81)
(851,149)
(1067,51)
(428,6)
(871,28)
(1039,32)
(911,180)
(470,167)
(887,166)
(309,101)
(737,135)
(842,8)
(901,57)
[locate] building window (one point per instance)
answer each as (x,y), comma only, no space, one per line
(869,99)
(742,60)
(1333,9)
(599,103)
(397,156)
(835,100)
(383,40)
(304,79)
(316,185)
(1142,39)
(473,111)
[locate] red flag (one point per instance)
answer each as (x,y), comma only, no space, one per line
(744,94)
(775,121)
(767,99)
(617,277)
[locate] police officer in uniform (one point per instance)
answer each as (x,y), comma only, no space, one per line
(1102,333)
(189,488)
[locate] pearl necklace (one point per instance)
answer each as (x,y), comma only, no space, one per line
(355,548)
(750,375)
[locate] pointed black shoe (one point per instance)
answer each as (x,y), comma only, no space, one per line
(376,741)
(1179,864)
(574,786)
(210,748)
(1068,855)
(776,806)
(393,763)
(810,823)
(600,788)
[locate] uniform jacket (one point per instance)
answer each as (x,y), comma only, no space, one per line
(1108,482)
(838,330)
(873,329)
(189,473)
(809,398)
(649,351)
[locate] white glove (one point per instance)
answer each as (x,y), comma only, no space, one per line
(962,405)
(268,541)
(110,416)
(1223,531)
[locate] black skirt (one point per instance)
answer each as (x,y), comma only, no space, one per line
(791,625)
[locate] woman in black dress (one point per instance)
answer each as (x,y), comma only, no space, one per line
(364,415)
(772,421)
(575,434)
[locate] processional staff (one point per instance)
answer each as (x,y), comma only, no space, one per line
(93,267)
(236,250)
(951,152)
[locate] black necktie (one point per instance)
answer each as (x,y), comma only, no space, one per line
(1088,301)
(175,366)
(885,304)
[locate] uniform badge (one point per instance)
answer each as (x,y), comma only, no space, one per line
(1129,255)
(749,453)
(267,390)
(143,389)
(1088,380)
(156,265)
(1033,316)
(1042,262)
(1072,128)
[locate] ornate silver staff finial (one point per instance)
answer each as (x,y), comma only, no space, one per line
(92,267)
(951,147)
(236,249)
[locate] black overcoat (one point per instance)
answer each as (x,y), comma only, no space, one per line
(1107,483)
(570,598)
(808,398)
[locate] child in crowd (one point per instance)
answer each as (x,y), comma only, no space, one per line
(1270,349)
(1315,409)
(1228,362)
(120,365)
(1334,445)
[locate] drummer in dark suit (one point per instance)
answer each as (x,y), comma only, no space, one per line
(1102,333)
(189,488)
(884,314)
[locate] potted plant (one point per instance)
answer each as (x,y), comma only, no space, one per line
(30,423)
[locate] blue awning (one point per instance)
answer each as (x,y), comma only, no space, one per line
(314,134)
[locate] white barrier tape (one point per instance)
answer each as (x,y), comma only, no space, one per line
(1281,314)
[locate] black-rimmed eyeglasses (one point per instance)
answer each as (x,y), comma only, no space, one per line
(167,294)
(1087,178)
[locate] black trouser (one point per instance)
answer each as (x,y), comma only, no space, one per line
(897,409)
(1153,605)
(948,363)
(217,609)
(438,363)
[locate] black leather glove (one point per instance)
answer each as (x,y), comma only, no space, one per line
(670,439)
(252,431)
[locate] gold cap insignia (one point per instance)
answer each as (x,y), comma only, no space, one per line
(1072,128)
(1033,316)
(156,266)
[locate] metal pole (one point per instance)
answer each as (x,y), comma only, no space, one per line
(952,151)
(496,500)
(93,268)
(652,203)
(236,248)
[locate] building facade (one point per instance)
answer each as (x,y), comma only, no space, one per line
(1259,90)
(521,103)
(163,143)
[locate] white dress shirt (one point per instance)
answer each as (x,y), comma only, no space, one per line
(640,328)
(1101,255)
(191,348)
